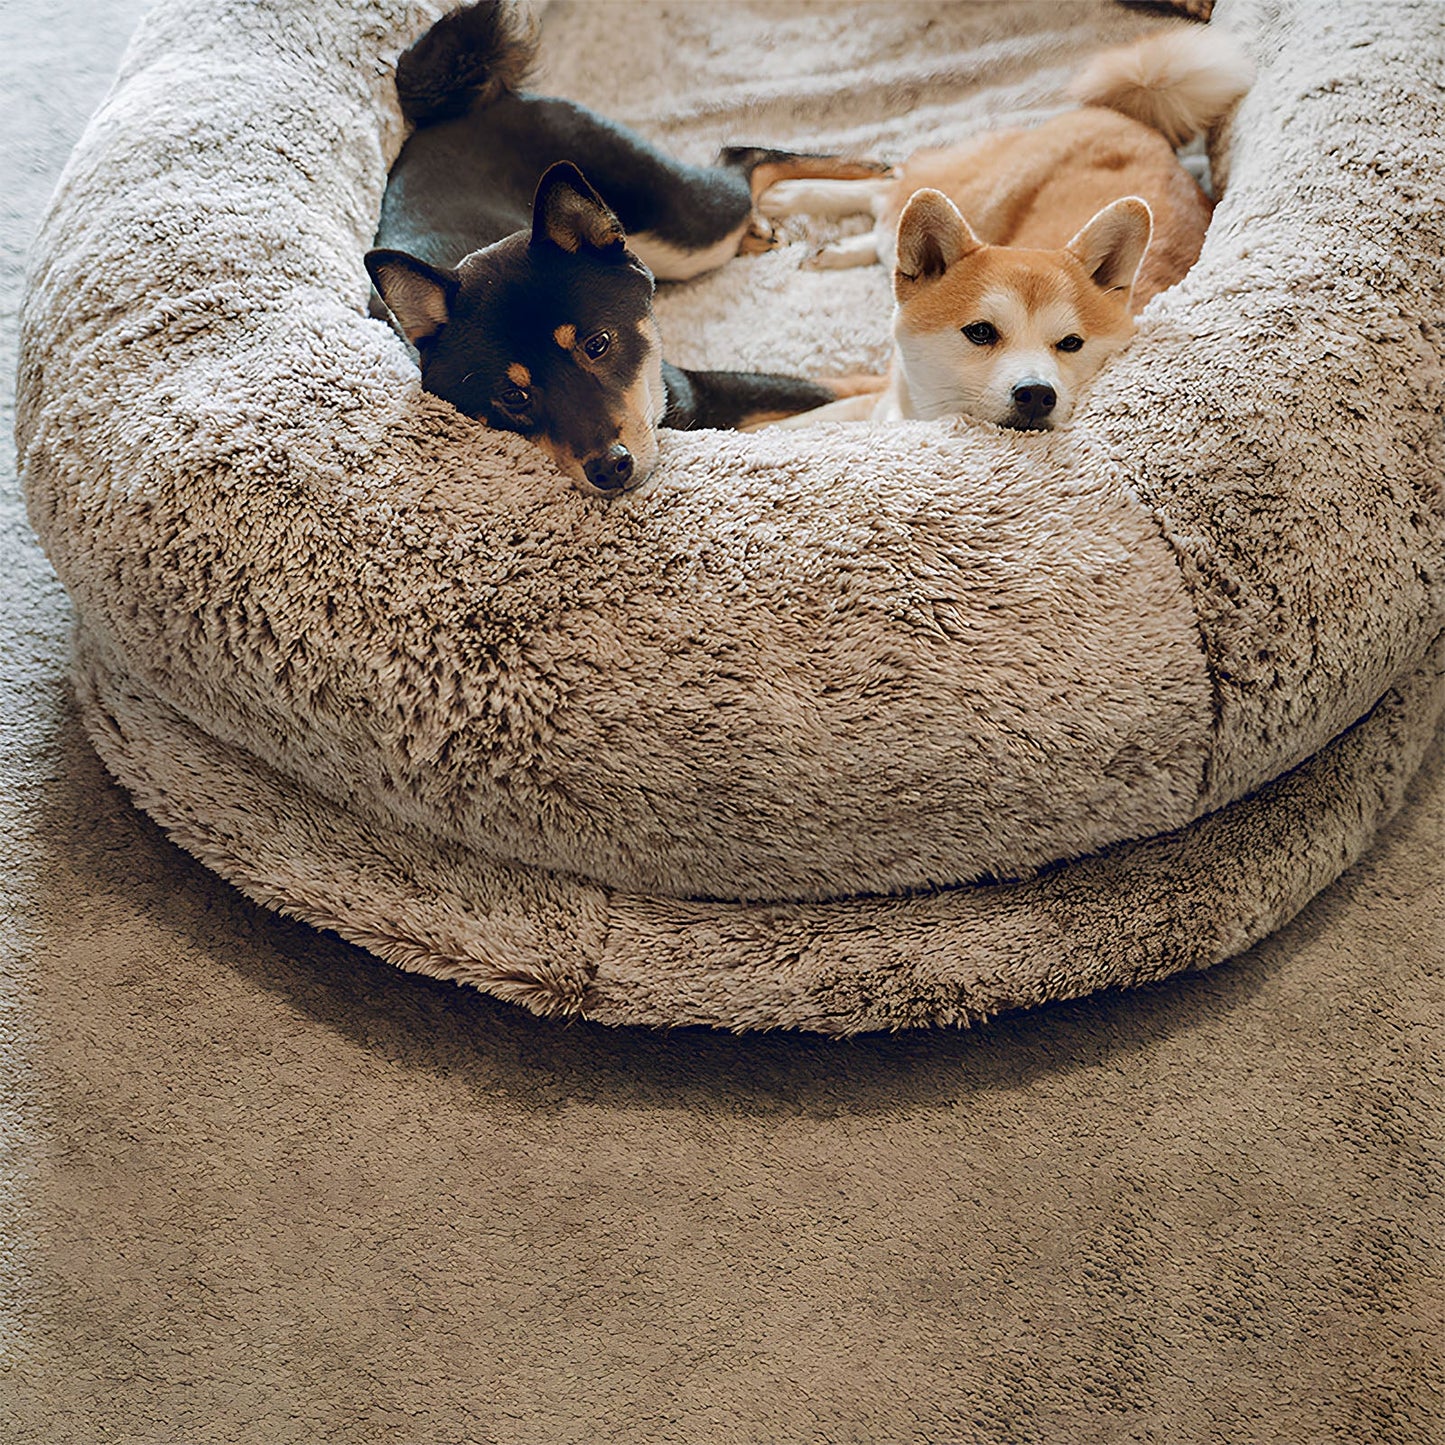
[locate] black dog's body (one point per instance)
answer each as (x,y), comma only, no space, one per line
(495,154)
(526,288)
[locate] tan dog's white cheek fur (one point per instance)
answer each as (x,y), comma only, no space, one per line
(946,374)
(936,377)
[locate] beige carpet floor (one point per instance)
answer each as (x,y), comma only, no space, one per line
(256,1186)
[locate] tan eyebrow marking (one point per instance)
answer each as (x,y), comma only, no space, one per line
(565,337)
(519,374)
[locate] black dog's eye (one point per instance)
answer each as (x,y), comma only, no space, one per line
(596,346)
(981,333)
(1071,343)
(514,398)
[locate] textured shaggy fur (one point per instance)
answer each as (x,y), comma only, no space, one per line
(261,1188)
(499,732)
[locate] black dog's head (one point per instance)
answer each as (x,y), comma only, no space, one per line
(548,332)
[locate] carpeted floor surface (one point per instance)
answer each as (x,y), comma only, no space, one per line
(257,1187)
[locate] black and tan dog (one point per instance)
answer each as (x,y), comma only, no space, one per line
(526,291)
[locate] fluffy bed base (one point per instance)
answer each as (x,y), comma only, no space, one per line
(753,747)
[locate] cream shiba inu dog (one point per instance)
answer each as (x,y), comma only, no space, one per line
(1021,258)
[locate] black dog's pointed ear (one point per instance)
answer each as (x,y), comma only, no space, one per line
(418,295)
(568,213)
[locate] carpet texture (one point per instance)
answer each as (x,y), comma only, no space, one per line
(260,1187)
(378,668)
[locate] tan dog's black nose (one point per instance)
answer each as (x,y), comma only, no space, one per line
(612,471)
(1033,400)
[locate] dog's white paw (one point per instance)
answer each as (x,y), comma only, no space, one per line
(844,255)
(826,198)
(783,199)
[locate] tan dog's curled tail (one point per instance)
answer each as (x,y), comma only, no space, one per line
(1176,81)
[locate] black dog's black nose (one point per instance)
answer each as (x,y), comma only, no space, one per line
(612,470)
(1034,399)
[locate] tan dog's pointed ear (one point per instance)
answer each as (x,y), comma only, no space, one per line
(418,295)
(932,235)
(568,213)
(1112,245)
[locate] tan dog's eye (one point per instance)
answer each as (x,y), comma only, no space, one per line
(596,345)
(981,333)
(514,398)
(1071,343)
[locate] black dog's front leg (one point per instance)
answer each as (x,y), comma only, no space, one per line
(732,399)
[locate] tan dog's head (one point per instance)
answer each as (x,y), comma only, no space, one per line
(1005,334)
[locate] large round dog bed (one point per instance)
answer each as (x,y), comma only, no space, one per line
(857,728)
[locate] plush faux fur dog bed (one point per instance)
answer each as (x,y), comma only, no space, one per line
(857,728)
